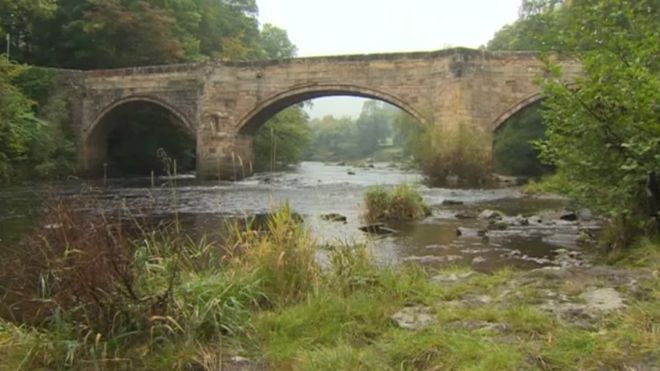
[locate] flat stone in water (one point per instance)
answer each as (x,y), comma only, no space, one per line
(478,260)
(470,232)
(414,318)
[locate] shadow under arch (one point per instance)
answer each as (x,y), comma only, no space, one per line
(137,99)
(513,110)
(513,151)
(253,120)
(156,120)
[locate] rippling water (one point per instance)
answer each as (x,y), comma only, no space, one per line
(312,189)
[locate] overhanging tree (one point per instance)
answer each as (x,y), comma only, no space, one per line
(603,133)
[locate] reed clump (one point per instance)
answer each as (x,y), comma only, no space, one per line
(401,203)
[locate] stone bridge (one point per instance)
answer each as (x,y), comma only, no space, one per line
(223,103)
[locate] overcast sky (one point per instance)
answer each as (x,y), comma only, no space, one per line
(334,27)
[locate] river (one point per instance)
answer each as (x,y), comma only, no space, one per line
(314,189)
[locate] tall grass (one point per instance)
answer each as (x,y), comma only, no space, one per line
(284,256)
(165,301)
(402,203)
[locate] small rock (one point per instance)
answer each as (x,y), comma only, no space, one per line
(478,260)
(470,232)
(240,360)
(350,172)
(535,220)
(452,202)
(585,214)
(414,318)
(517,220)
(603,300)
(334,217)
(570,216)
(490,214)
(465,215)
(512,254)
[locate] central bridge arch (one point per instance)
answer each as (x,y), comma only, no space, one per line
(267,108)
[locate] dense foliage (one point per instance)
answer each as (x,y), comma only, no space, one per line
(32,140)
(282,140)
(604,133)
(92,34)
(513,149)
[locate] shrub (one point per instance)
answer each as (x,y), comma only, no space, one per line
(402,203)
(463,153)
(284,256)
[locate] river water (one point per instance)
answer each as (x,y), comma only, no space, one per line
(314,189)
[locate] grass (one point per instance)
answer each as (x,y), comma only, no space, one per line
(261,295)
(402,203)
(554,184)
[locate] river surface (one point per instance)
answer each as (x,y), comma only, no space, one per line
(313,189)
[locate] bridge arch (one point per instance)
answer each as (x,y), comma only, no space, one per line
(137,99)
(256,117)
(120,114)
(511,111)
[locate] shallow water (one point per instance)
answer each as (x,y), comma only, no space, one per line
(312,189)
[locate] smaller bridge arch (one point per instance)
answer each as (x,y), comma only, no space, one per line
(97,136)
(511,111)
(136,99)
(250,122)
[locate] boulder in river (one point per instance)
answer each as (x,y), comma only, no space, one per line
(465,215)
(470,232)
(451,202)
(569,216)
(490,214)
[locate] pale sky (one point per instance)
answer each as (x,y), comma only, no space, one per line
(334,27)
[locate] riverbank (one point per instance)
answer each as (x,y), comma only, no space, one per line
(262,301)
